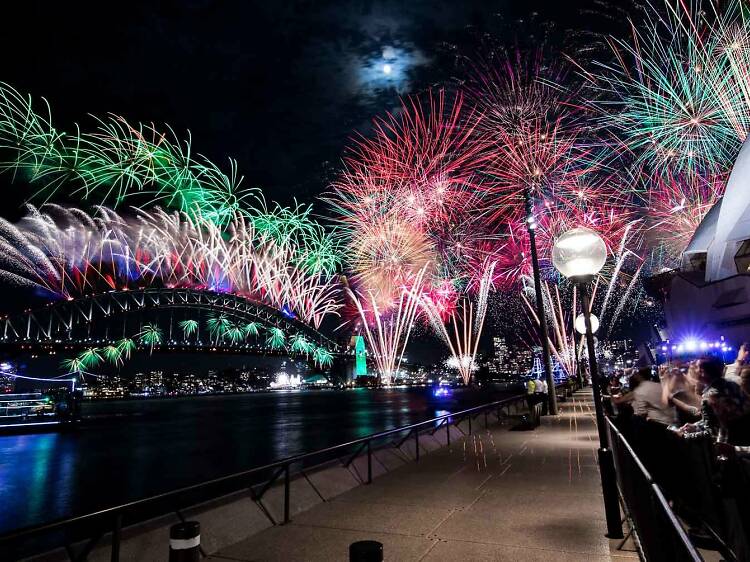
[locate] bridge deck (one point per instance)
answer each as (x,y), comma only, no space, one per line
(494,495)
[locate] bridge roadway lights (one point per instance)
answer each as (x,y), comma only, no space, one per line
(60,320)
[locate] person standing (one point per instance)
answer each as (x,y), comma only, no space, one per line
(678,390)
(732,371)
(722,401)
(645,396)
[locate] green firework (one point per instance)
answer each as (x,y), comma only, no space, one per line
(151,335)
(276,338)
(189,327)
(300,344)
(251,329)
(218,325)
(113,162)
(316,251)
(322,357)
(90,358)
(74,365)
(126,347)
(235,333)
(674,94)
(113,355)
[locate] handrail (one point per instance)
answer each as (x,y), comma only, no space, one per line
(654,490)
(283,466)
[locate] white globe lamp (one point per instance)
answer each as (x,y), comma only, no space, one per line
(579,254)
(581,324)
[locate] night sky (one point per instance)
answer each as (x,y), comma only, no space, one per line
(280,86)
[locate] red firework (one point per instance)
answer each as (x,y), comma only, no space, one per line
(543,161)
(612,220)
(420,169)
(422,164)
(677,204)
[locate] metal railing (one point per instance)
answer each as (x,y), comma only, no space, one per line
(91,527)
(660,534)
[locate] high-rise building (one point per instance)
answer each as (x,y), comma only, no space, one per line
(500,348)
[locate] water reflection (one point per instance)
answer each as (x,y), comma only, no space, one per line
(36,474)
(133,449)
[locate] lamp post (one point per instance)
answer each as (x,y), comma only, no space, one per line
(546,362)
(580,326)
(579,255)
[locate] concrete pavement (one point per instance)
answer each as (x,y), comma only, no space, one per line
(493,495)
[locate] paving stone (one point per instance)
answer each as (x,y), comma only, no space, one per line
(494,494)
(313,544)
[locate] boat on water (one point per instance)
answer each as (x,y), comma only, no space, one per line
(39,411)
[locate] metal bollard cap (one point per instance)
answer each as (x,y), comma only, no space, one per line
(185,530)
(366,551)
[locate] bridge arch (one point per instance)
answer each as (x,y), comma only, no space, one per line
(61,322)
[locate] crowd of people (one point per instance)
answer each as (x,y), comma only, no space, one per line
(699,397)
(689,424)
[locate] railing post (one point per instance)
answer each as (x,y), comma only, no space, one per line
(416,441)
(115,555)
(448,429)
(469,424)
(485,419)
(286,494)
(369,463)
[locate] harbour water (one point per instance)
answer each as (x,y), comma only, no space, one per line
(131,449)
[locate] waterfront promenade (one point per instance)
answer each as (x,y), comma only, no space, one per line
(493,495)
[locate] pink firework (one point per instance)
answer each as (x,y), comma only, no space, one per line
(677,204)
(538,160)
(421,164)
(544,162)
(612,220)
(443,296)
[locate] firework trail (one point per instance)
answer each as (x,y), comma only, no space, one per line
(620,258)
(463,339)
(405,204)
(624,299)
(562,342)
(561,302)
(387,330)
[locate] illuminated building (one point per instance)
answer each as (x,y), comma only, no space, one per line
(708,297)
(360,357)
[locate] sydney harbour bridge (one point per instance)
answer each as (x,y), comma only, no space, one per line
(161,281)
(110,317)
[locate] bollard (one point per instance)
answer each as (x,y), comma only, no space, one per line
(185,542)
(366,551)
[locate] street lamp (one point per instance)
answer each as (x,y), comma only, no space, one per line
(540,313)
(579,255)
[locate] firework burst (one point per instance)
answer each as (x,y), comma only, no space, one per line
(70,253)
(676,92)
(677,205)
(114,162)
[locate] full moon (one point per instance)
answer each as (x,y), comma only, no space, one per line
(387,68)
